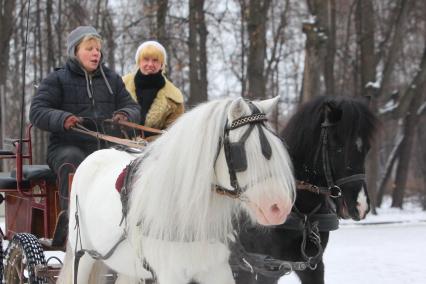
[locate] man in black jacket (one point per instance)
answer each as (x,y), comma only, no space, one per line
(83,91)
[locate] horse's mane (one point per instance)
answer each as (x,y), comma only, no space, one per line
(173,191)
(302,132)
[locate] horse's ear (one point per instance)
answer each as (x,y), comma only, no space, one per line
(238,109)
(268,106)
(333,111)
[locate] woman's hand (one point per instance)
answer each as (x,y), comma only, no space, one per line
(119,116)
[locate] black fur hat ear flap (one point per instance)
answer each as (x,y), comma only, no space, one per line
(332,111)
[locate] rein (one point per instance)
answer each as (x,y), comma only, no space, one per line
(136,126)
(126,142)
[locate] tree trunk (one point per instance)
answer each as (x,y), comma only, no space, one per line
(256,28)
(197,53)
(403,10)
(320,49)
(312,67)
(109,34)
(414,97)
(59,30)
(327,22)
(149,11)
(365,31)
(162,11)
(421,142)
(242,33)
(7,9)
(49,37)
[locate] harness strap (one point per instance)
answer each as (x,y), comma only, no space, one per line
(333,192)
(94,254)
(311,231)
(358,177)
(326,222)
(261,264)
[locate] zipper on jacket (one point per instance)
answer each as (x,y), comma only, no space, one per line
(92,99)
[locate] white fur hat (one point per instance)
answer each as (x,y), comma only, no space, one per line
(153,43)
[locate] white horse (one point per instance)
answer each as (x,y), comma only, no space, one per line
(177,222)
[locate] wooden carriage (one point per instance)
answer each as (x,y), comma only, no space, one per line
(31,200)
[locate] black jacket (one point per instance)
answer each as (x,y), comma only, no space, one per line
(70,91)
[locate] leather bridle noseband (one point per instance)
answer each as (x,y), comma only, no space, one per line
(235,153)
(333,188)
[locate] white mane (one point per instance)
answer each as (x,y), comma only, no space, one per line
(173,200)
(173,194)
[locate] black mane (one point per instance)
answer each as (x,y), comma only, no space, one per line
(302,132)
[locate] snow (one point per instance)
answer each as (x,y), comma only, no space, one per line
(388,107)
(387,248)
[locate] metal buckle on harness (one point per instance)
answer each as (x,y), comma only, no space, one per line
(335,191)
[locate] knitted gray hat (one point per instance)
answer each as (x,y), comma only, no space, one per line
(77,35)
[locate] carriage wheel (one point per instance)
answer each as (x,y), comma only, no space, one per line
(23,254)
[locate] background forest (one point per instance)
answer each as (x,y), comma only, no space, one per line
(296,49)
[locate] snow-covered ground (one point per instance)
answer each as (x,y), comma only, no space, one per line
(388,248)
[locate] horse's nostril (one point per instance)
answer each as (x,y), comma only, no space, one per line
(275,209)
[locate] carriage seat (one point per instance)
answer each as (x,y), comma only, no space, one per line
(4,152)
(29,172)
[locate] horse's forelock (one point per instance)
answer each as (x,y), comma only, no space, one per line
(304,127)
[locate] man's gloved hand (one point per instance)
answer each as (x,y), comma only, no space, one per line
(71,121)
(119,116)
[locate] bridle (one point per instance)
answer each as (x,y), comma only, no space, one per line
(235,153)
(333,188)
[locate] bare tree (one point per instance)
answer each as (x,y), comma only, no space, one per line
(320,49)
(7,12)
(162,11)
(197,53)
(365,29)
(415,95)
(256,28)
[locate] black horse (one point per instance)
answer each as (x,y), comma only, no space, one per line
(328,139)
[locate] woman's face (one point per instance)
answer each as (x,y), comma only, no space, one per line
(89,54)
(149,65)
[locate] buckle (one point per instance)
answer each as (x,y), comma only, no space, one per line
(335,191)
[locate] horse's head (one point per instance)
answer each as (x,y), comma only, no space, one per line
(251,161)
(338,133)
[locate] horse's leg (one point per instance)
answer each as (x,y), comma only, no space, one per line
(312,276)
(170,277)
(85,266)
(98,273)
(66,274)
(221,273)
(124,279)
